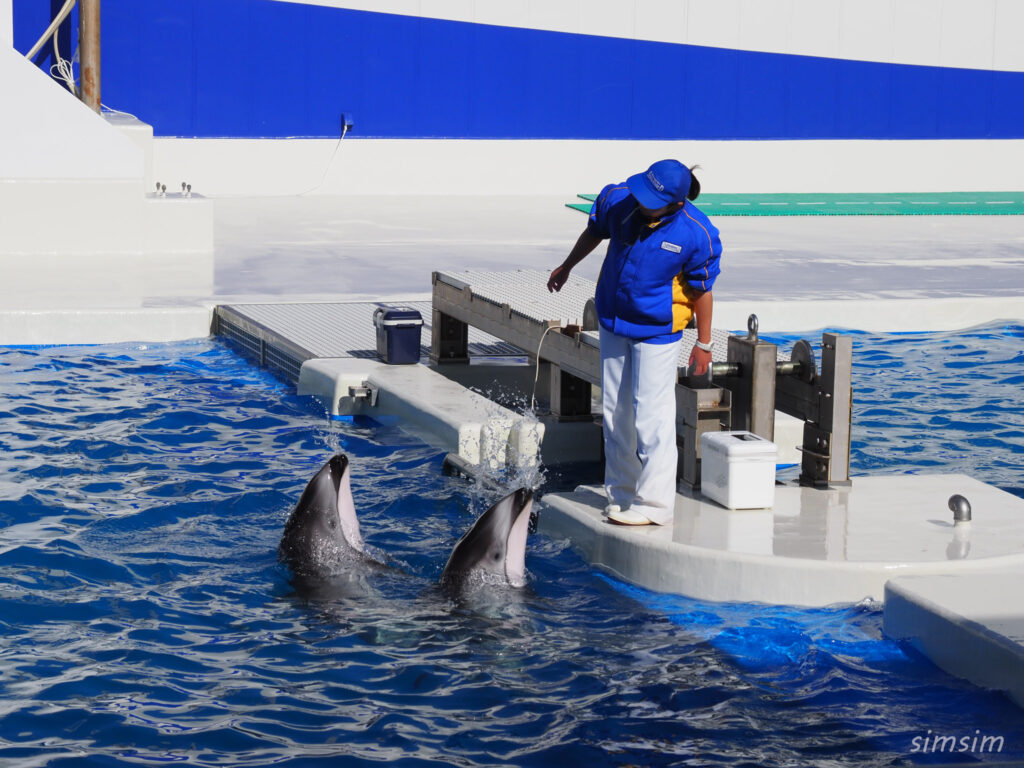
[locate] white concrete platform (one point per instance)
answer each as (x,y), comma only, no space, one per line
(73,182)
(972,626)
(441,412)
(329,349)
(813,548)
(105,326)
(84,252)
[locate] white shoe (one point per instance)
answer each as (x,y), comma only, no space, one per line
(612,508)
(629,517)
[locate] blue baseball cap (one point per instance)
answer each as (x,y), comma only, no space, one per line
(665,182)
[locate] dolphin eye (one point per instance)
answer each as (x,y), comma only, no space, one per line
(332,522)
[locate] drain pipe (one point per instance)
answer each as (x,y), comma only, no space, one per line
(89,50)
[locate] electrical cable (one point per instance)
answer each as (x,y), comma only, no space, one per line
(57,20)
(111,111)
(65,69)
(330,162)
(536,375)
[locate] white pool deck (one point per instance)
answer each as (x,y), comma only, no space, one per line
(871,273)
(797,274)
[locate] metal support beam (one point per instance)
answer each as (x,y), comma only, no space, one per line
(449,339)
(698,411)
(578,354)
(753,391)
(837,401)
(89,51)
(569,396)
(826,443)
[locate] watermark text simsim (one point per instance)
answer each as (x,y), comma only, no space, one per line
(976,743)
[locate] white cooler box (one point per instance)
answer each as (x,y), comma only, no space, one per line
(737,469)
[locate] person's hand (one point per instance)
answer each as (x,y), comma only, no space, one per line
(699,361)
(559,276)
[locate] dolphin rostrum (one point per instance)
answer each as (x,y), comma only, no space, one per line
(323,532)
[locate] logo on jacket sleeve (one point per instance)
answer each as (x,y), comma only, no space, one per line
(667,246)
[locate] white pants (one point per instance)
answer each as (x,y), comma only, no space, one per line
(638,383)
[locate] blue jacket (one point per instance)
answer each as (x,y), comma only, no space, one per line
(653,271)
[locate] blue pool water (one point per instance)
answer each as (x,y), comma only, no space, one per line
(144,618)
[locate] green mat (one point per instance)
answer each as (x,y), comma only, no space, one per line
(881,204)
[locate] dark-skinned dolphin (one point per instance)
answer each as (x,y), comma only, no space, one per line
(323,529)
(322,542)
(494,549)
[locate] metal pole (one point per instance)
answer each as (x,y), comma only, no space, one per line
(89,46)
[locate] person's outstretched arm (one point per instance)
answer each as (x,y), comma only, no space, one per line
(584,246)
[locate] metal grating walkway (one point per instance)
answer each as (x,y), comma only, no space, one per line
(283,336)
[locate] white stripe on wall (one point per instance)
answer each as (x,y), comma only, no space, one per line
(565,168)
(972,34)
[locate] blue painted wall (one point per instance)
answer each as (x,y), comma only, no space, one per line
(257,68)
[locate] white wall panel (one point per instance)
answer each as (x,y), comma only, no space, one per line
(917,30)
(556,15)
(953,33)
(663,20)
(399,7)
(609,19)
(967,34)
(813,28)
(507,13)
(866,30)
(761,22)
(715,23)
(1008,44)
(6,23)
(454,10)
(47,134)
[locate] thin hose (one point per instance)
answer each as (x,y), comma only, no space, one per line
(536,375)
(49,30)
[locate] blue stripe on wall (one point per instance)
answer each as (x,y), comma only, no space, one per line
(258,68)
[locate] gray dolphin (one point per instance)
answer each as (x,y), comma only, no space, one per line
(322,534)
(323,528)
(494,549)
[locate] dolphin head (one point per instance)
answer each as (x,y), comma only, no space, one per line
(323,526)
(495,547)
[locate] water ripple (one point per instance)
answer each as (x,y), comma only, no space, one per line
(145,619)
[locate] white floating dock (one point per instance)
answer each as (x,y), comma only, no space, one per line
(972,626)
(329,351)
(815,547)
(439,410)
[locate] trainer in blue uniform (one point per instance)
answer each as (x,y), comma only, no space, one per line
(662,261)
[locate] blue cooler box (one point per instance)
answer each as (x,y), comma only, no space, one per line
(398,334)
